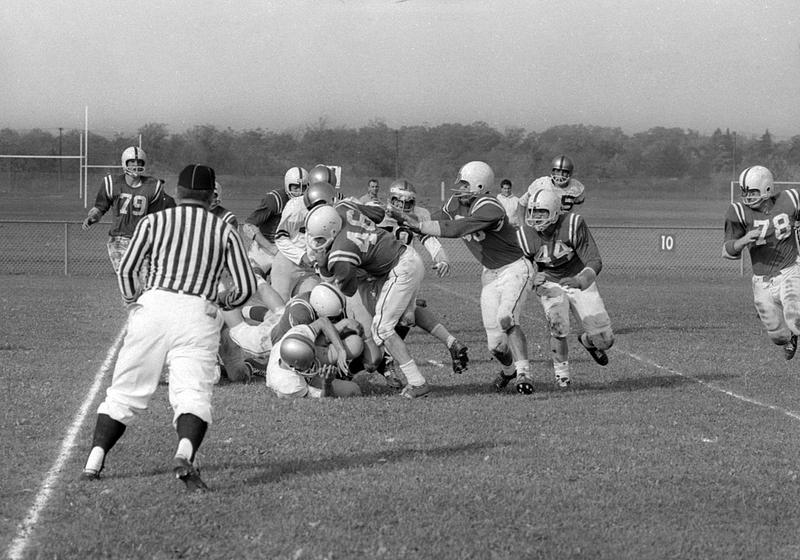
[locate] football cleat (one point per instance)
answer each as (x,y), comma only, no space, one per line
(790,347)
(257,369)
(412,392)
(390,374)
(563,382)
(90,474)
(597,355)
(524,384)
(502,380)
(189,475)
(458,353)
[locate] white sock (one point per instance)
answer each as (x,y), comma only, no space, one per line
(523,367)
(185,449)
(95,460)
(412,373)
(561,369)
(450,340)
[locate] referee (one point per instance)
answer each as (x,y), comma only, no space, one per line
(174,320)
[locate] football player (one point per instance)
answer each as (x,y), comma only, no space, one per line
(131,195)
(480,220)
(765,223)
(291,264)
(571,190)
(568,261)
(260,226)
(359,256)
(337,346)
(403,198)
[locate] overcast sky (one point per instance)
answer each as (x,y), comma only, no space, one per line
(281,65)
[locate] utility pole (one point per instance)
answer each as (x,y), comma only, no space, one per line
(396,154)
(733,155)
(60,153)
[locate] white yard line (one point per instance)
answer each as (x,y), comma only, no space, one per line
(616,350)
(743,398)
(25,529)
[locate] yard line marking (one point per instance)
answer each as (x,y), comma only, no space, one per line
(711,386)
(25,529)
(616,349)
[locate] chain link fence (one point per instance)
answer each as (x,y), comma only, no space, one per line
(63,248)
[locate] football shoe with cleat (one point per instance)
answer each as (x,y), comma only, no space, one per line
(563,382)
(393,381)
(412,392)
(597,355)
(257,369)
(458,353)
(189,475)
(90,474)
(790,348)
(502,380)
(523,384)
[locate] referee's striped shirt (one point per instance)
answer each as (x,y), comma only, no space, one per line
(189,247)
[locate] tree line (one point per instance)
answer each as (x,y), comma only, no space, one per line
(426,153)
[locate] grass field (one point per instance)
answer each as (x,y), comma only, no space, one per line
(683,447)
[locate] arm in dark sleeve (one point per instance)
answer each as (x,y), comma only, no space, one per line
(267,208)
(345,277)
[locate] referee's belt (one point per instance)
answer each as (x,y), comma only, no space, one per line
(180,292)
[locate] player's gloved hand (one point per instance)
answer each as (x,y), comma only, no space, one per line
(442,268)
(87,223)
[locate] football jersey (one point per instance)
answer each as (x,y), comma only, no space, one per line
(129,204)
(776,247)
(573,193)
(225,215)
(403,233)
(268,214)
(563,250)
(290,235)
(360,246)
(298,311)
(485,229)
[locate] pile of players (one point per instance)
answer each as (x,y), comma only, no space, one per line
(361,261)
(339,280)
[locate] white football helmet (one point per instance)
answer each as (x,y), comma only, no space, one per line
(327,300)
(544,208)
(323,223)
(403,195)
(295,181)
(757,184)
(139,159)
(319,193)
(561,171)
(473,179)
(299,354)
